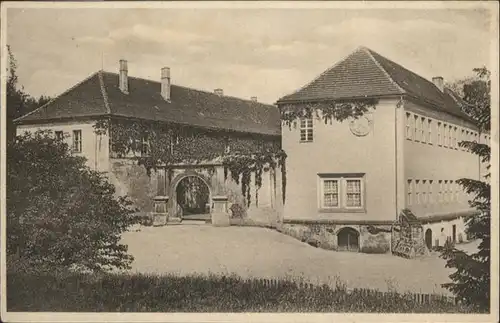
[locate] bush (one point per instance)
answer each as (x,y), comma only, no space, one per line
(60,213)
(237,211)
(471,279)
(200,293)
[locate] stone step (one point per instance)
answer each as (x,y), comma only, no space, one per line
(194,222)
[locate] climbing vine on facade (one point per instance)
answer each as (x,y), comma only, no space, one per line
(327,111)
(242,166)
(156,145)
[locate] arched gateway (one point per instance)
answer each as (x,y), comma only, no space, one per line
(190,195)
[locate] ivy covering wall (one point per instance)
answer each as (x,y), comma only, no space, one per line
(328,111)
(159,145)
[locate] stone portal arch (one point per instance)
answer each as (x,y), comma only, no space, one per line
(172,191)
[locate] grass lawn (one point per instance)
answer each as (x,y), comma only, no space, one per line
(264,253)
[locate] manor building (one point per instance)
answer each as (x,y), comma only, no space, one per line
(351,179)
(208,121)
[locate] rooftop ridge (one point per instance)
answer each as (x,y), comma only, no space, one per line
(324,72)
(370,53)
(400,66)
(104,93)
(197,90)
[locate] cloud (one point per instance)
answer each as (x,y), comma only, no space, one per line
(267,53)
(154,34)
(95,40)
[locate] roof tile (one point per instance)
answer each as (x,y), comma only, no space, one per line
(100,95)
(365,73)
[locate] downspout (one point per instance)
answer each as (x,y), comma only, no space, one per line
(96,152)
(399,105)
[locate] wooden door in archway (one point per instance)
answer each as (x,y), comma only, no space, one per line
(428,238)
(348,240)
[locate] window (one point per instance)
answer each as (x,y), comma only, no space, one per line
(330,193)
(306,130)
(462,138)
(408,126)
(77,141)
(430,197)
(429,131)
(424,191)
(440,191)
(445,191)
(417,191)
(440,138)
(59,135)
(450,137)
(353,193)
(410,192)
(417,127)
(455,136)
(422,130)
(445,135)
(342,192)
(457,191)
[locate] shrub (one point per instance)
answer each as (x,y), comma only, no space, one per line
(60,213)
(471,278)
(237,211)
(200,293)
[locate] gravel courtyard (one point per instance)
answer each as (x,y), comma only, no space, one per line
(264,253)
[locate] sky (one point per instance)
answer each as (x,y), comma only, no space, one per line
(266,53)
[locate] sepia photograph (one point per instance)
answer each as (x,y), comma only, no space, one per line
(249,161)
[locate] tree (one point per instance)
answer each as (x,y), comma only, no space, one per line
(18,102)
(60,213)
(471,280)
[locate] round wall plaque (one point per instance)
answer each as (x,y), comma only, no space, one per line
(361,126)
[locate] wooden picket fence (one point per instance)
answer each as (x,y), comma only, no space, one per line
(419,298)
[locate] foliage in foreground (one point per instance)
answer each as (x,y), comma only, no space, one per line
(60,213)
(471,279)
(19,102)
(199,293)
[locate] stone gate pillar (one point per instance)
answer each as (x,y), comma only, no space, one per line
(220,211)
(160,213)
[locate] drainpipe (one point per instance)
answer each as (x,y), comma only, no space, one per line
(396,153)
(96,153)
(398,163)
(400,156)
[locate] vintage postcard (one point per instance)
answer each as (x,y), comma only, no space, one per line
(249,161)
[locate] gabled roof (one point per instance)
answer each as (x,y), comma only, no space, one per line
(365,73)
(99,95)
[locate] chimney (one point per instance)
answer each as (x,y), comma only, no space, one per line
(253,98)
(438,82)
(219,92)
(123,79)
(165,83)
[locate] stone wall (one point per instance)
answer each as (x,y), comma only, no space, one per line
(372,238)
(132,180)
